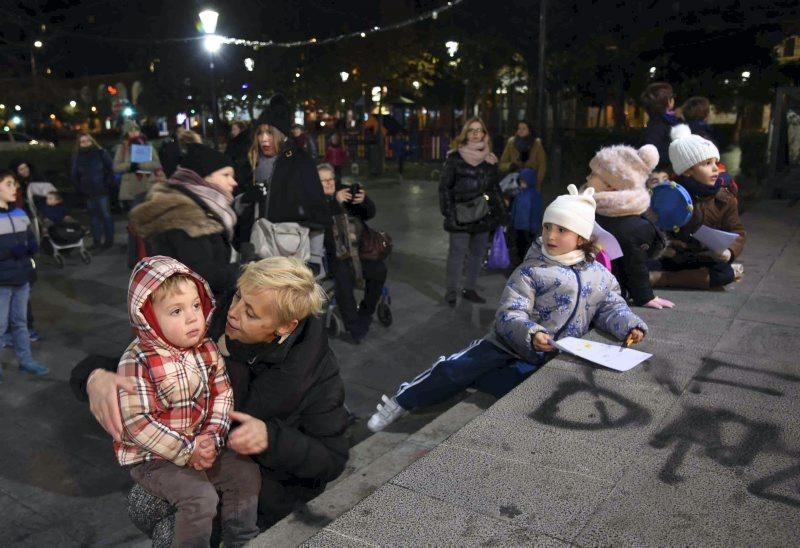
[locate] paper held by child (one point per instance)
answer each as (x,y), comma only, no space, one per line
(607,355)
(141,154)
(715,240)
(607,241)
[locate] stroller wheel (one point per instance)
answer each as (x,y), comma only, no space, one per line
(384,313)
(59,261)
(86,257)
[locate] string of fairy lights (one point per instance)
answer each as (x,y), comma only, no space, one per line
(432,14)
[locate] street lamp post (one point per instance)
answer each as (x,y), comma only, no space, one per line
(452,49)
(212,43)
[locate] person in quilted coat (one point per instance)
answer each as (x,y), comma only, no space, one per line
(558,291)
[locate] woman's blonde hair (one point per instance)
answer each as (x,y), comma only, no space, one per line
(78,141)
(278,138)
(295,292)
(464,135)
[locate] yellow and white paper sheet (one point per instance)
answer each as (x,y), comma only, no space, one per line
(607,355)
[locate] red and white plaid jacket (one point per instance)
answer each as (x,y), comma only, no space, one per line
(180,393)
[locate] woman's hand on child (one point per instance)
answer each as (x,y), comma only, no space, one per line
(635,336)
(658,303)
(102,388)
(250,437)
(541,342)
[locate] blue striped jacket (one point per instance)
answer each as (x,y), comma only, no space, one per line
(17,246)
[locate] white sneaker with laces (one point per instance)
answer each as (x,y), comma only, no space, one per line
(738,270)
(387,413)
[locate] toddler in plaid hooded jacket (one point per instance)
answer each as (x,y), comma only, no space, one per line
(183,395)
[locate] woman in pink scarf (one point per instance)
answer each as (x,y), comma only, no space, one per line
(470,200)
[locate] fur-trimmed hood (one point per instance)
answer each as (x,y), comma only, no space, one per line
(168,208)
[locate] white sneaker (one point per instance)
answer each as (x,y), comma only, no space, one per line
(738,270)
(387,413)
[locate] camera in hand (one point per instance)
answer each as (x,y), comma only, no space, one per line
(355,188)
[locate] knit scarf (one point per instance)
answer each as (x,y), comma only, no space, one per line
(216,199)
(619,203)
(699,190)
(565,259)
(477,153)
(523,145)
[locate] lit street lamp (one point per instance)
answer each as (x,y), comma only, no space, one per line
(452,48)
(212,43)
(38,44)
(344,75)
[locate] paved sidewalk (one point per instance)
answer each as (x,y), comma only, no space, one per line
(699,446)
(59,481)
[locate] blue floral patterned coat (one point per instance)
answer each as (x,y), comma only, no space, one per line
(563,301)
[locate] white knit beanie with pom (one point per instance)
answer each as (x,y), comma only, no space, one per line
(688,150)
(624,172)
(573,211)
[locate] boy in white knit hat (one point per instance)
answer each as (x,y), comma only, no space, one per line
(692,265)
(558,291)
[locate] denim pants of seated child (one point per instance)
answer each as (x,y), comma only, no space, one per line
(481,364)
(14,318)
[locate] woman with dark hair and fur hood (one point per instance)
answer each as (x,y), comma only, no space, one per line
(191,219)
(619,176)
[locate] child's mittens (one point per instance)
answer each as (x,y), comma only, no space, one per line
(19,251)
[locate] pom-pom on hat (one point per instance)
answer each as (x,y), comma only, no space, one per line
(624,170)
(573,211)
(687,150)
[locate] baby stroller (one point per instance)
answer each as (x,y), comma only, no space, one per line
(64,236)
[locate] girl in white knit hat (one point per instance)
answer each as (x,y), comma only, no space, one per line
(558,291)
(689,264)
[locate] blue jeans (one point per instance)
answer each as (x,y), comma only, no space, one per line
(482,364)
(100,219)
(14,316)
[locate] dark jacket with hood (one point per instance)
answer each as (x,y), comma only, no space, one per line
(462,182)
(93,172)
(176,223)
(294,387)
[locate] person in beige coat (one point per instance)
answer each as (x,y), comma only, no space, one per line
(137,178)
(524,151)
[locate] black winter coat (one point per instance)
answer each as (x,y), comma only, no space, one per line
(176,223)
(294,387)
(462,182)
(364,211)
(295,194)
(237,150)
(93,172)
(640,241)
(656,133)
